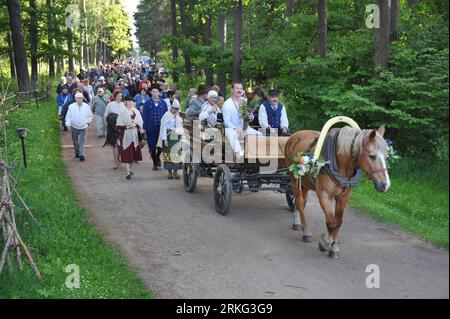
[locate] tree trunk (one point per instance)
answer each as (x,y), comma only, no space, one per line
(237,42)
(270,66)
(322,28)
(222,36)
(290,4)
(395,4)
(208,70)
(70,49)
(20,56)
(382,36)
(173,15)
(185,30)
(34,42)
(85,35)
(12,66)
(50,34)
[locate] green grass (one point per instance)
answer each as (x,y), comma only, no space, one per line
(416,201)
(65,236)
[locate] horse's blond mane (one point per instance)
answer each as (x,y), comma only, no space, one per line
(348,145)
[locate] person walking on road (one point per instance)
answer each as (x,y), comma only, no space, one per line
(99,104)
(130,124)
(113,109)
(154,110)
(78,118)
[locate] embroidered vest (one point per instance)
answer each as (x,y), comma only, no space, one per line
(273,116)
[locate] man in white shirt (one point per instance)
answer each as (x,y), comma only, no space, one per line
(233,121)
(272,115)
(78,118)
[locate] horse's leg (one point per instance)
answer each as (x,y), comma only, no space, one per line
(326,202)
(341,203)
(301,194)
(295,188)
(307,236)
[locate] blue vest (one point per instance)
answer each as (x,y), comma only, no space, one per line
(152,114)
(273,116)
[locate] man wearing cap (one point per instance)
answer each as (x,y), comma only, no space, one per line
(99,104)
(273,116)
(78,118)
(154,110)
(195,105)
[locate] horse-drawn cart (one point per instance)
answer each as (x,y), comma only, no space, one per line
(263,167)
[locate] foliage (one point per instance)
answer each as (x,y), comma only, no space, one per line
(107,22)
(416,201)
(410,97)
(64,236)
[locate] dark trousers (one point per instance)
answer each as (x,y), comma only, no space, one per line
(152,140)
(78,139)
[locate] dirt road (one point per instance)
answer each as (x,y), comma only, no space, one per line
(182,248)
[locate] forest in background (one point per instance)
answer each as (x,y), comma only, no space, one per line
(50,37)
(321,54)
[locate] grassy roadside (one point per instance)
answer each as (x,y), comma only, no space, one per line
(65,236)
(417,200)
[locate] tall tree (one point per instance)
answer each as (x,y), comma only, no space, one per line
(34,42)
(20,56)
(185,30)
(322,40)
(50,35)
(173,15)
(207,41)
(222,37)
(395,6)
(11,55)
(70,49)
(382,35)
(85,35)
(237,41)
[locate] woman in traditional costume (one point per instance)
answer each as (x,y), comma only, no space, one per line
(130,124)
(169,139)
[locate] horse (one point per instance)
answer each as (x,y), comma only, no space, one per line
(355,148)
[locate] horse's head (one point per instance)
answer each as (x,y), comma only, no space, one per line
(372,157)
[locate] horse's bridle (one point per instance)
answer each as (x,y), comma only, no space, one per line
(364,158)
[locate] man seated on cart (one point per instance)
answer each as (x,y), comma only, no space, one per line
(273,116)
(233,121)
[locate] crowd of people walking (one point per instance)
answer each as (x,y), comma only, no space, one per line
(134,106)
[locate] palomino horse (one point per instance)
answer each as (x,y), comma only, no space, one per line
(355,148)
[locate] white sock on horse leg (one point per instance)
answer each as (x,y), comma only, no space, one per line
(296,218)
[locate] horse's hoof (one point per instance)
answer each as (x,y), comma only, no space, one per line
(334,254)
(321,248)
(296,227)
(307,239)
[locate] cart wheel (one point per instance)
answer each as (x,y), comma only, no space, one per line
(290,198)
(190,174)
(223,189)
